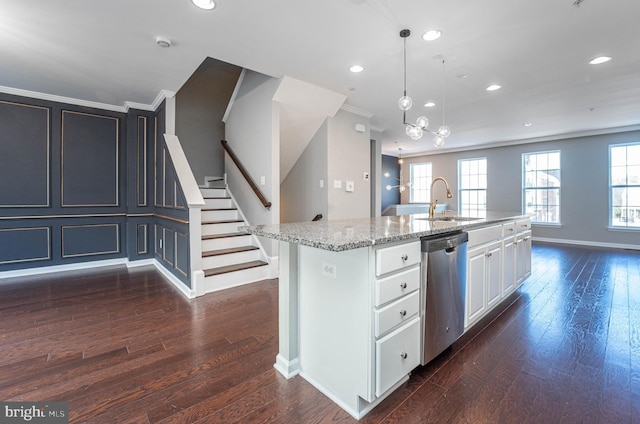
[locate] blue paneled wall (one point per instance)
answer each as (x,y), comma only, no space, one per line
(80,184)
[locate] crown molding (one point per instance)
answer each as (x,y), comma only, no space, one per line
(357,111)
(162,95)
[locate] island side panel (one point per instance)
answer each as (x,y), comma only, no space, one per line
(287,360)
(335,324)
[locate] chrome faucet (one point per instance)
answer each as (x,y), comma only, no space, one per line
(432,205)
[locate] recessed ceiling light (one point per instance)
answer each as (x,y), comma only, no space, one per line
(356,68)
(600,59)
(431,35)
(429,104)
(204,4)
(527,124)
(494,87)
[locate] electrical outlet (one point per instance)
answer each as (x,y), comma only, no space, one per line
(160,241)
(263,180)
(365,176)
(330,270)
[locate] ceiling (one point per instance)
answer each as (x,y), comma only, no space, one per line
(538,50)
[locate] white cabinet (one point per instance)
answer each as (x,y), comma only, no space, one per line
(523,257)
(358,324)
(509,265)
(396,313)
(484,280)
(498,261)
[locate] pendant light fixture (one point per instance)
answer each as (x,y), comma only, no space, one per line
(402,187)
(416,131)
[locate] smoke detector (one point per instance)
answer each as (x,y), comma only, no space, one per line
(163,42)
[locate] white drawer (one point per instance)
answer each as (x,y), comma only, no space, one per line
(508,229)
(397,257)
(396,285)
(395,313)
(484,235)
(396,355)
(523,225)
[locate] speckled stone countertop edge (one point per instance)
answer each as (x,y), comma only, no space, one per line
(323,237)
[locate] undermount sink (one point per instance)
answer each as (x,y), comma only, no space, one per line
(450,218)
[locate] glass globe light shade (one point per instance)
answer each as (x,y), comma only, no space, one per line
(388,187)
(400,161)
(387,175)
(438,141)
(415,133)
(422,122)
(405,103)
(402,189)
(444,131)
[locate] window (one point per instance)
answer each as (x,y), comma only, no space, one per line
(420,178)
(472,177)
(624,180)
(541,185)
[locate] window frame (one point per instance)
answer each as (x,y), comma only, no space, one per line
(416,187)
(478,213)
(559,187)
(611,187)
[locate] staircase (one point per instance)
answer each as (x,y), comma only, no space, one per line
(229,258)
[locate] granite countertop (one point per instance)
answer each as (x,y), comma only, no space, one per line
(349,234)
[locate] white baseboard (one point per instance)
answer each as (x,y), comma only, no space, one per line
(288,369)
(587,243)
(189,293)
(61,268)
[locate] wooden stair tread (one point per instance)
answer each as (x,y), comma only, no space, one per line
(225,235)
(215,198)
(224,221)
(232,268)
(218,209)
(228,251)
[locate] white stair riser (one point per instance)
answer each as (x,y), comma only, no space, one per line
(230,259)
(213,192)
(227,242)
(237,278)
(221,215)
(217,203)
(230,227)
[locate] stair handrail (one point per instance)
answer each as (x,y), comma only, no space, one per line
(245,174)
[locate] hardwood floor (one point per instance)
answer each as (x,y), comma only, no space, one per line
(123,346)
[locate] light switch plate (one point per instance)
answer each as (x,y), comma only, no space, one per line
(337,183)
(350,186)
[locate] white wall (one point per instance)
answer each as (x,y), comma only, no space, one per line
(252,130)
(348,159)
(301,195)
(584,185)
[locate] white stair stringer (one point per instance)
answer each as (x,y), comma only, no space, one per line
(229,257)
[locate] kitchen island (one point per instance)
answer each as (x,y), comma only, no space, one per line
(350,295)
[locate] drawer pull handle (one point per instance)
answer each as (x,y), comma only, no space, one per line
(403,313)
(403,285)
(404,355)
(404,257)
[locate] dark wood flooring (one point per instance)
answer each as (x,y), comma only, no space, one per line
(123,346)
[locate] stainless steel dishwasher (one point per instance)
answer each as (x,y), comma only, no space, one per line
(444,290)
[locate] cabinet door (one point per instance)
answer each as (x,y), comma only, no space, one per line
(509,264)
(526,251)
(521,259)
(494,274)
(476,274)
(396,355)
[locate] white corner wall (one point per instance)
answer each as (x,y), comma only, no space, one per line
(252,131)
(349,157)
